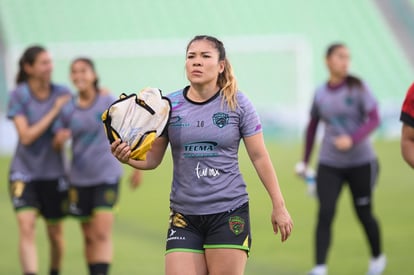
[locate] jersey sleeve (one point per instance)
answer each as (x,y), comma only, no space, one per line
(17,103)
(314,111)
(407,110)
(64,117)
(249,119)
(368,101)
(109,99)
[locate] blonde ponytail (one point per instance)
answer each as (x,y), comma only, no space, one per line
(228,84)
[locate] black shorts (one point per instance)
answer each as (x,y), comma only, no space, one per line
(84,201)
(48,197)
(195,233)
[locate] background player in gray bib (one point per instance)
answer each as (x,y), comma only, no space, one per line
(349,112)
(36,170)
(94,173)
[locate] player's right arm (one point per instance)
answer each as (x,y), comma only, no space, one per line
(61,136)
(30,133)
(407,132)
(154,156)
(407,144)
(310,133)
(302,166)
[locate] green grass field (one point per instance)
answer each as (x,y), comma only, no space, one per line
(141,223)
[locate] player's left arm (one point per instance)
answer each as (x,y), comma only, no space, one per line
(407,144)
(135,179)
(260,158)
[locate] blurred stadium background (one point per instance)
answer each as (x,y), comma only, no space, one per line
(277,50)
(276,47)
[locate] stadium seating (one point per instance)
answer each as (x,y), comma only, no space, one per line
(377,57)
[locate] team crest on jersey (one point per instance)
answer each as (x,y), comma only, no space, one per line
(17,188)
(220,119)
(349,101)
(236,224)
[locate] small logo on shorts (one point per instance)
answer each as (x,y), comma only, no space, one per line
(73,196)
(17,188)
(73,209)
(178,220)
(64,206)
(236,225)
(172,232)
(173,237)
(110,196)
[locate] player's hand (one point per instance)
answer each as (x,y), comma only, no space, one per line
(135,179)
(63,135)
(282,222)
(121,151)
(60,137)
(300,169)
(61,101)
(343,142)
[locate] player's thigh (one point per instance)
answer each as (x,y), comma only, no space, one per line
(101,224)
(54,230)
(329,185)
(53,198)
(362,180)
(26,221)
(226,261)
(185,263)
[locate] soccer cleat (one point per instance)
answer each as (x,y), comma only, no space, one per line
(377,265)
(319,270)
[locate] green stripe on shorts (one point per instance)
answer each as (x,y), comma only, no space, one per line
(82,219)
(103,209)
(230,246)
(27,208)
(184,250)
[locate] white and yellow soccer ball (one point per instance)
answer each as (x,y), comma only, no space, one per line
(137,119)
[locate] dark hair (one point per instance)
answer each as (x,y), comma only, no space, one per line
(90,63)
(226,80)
(350,80)
(29,57)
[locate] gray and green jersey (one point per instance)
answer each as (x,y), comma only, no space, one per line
(37,161)
(92,162)
(205,140)
(343,110)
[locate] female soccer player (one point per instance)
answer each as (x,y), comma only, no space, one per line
(36,171)
(94,173)
(407,133)
(347,107)
(209,230)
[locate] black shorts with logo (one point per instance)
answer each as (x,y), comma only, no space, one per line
(84,201)
(195,233)
(48,197)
